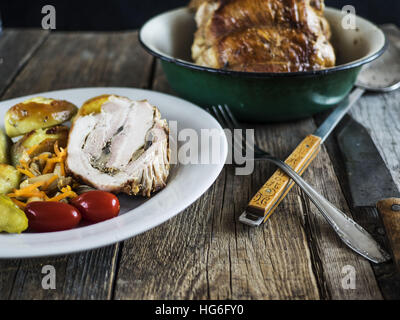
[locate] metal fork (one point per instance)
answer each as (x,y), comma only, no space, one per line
(351,233)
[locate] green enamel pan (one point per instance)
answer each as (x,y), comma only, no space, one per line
(261,97)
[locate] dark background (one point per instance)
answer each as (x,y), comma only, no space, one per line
(128,14)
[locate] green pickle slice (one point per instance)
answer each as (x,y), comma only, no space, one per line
(12,218)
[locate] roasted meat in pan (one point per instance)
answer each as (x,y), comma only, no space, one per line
(123,148)
(262,35)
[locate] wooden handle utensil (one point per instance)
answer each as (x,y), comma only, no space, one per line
(389,210)
(275,189)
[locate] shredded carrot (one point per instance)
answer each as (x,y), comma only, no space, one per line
(25,172)
(54,160)
(50,163)
(60,152)
(27,190)
(65,194)
(43,156)
(62,169)
(29,194)
(50,181)
(66,189)
(39,189)
(20,204)
(24,164)
(56,150)
(33,186)
(49,167)
(25,168)
(32,149)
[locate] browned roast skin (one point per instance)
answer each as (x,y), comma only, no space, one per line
(262,35)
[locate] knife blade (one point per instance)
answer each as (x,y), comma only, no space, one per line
(370,181)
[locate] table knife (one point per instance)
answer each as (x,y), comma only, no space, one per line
(380,75)
(370,181)
(267,199)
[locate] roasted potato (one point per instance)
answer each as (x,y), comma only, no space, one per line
(12,218)
(44,139)
(9,178)
(93,105)
(5,143)
(37,113)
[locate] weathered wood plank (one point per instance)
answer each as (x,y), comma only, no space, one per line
(16,48)
(379,114)
(204,253)
(72,60)
(329,254)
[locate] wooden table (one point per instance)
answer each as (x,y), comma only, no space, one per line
(203,253)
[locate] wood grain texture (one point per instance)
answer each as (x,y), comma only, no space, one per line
(387,277)
(271,194)
(16,48)
(329,254)
(379,114)
(205,253)
(389,210)
(63,61)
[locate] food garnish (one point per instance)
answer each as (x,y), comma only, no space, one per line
(37,113)
(12,218)
(52,216)
(45,187)
(45,178)
(97,205)
(5,143)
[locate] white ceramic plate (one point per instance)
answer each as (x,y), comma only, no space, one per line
(185,185)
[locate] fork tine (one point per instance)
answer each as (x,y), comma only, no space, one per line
(232,117)
(227,118)
(232,126)
(228,124)
(229,115)
(219,117)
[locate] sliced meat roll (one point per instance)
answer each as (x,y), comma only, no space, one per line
(124,148)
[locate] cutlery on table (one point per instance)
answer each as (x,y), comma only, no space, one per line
(352,234)
(371,184)
(382,75)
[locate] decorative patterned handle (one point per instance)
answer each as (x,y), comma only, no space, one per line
(276,188)
(389,210)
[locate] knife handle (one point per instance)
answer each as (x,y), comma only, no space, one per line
(389,210)
(276,188)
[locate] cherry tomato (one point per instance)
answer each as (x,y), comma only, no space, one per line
(51,216)
(97,205)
